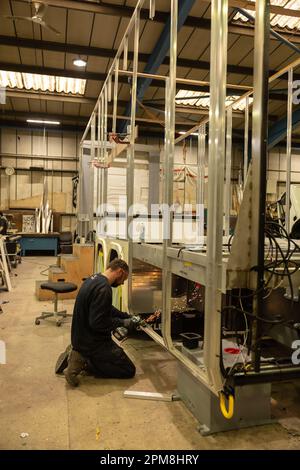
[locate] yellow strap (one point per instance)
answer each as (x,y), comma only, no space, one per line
(100,261)
(228,414)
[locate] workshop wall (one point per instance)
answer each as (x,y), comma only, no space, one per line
(35,156)
(277,171)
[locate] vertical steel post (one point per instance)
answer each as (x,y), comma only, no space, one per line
(213,294)
(246,140)
(201,164)
(152,9)
(259,161)
(91,171)
(105,169)
(168,177)
(105,121)
(93,136)
(80,195)
(97,170)
(125,54)
(228,171)
(98,129)
(101,143)
(201,179)
(109,88)
(131,154)
(102,129)
(289,150)
(115,104)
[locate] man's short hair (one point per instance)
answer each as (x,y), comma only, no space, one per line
(118,263)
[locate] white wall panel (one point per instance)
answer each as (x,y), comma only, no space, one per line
(23,189)
(9,161)
(57,183)
(69,146)
(8,141)
(24,142)
(39,143)
(4,190)
(37,183)
(55,165)
(54,145)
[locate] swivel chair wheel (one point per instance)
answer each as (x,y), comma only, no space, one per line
(58,323)
(37,322)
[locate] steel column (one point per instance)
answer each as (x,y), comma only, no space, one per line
(91,172)
(200,182)
(259,159)
(289,150)
(131,155)
(218,66)
(125,54)
(228,171)
(246,140)
(115,104)
(168,177)
(105,169)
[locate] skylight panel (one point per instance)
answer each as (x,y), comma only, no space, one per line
(34,81)
(282,21)
(202,99)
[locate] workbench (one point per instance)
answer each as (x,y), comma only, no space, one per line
(34,244)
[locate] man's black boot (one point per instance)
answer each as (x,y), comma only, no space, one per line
(76,364)
(62,361)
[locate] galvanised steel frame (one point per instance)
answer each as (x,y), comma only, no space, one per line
(214,268)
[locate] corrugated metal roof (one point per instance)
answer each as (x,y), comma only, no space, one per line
(34,81)
(89,30)
(281,21)
(201,99)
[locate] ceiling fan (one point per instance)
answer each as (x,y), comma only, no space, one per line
(37,18)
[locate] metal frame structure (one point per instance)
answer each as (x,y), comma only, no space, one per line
(215,268)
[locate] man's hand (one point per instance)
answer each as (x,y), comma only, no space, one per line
(132,322)
(120,333)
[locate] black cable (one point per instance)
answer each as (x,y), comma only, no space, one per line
(252,315)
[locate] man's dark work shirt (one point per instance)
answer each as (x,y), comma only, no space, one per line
(94,317)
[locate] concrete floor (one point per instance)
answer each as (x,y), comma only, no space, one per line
(96,416)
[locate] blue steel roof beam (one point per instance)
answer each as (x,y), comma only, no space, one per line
(159,53)
(277,131)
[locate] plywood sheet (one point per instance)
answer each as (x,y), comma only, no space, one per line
(59,202)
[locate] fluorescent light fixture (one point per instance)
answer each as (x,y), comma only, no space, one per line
(40,121)
(79,62)
(35,81)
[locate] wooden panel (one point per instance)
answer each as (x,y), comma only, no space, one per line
(73,268)
(59,202)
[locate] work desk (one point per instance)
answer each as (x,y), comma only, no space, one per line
(45,244)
